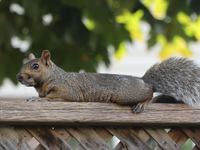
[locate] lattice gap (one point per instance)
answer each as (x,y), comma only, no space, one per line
(151,143)
(188,144)
(73,143)
(113,142)
(33,143)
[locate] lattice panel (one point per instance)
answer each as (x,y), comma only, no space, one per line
(95,138)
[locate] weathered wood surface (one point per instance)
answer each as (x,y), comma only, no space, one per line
(95,138)
(193,134)
(129,138)
(68,113)
(10,139)
(162,138)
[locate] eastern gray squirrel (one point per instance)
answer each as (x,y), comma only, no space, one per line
(174,77)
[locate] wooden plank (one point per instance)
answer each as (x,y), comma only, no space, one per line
(195,148)
(76,113)
(88,138)
(23,133)
(119,146)
(128,138)
(63,133)
(162,138)
(178,136)
(193,133)
(10,139)
(67,136)
(106,136)
(80,147)
(103,133)
(27,137)
(49,138)
(145,136)
(142,133)
(1,148)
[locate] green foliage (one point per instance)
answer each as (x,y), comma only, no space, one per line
(78,32)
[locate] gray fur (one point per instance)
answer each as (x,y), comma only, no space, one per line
(176,77)
(122,89)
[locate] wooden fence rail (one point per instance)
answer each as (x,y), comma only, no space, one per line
(53,125)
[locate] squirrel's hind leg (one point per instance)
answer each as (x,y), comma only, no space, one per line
(140,106)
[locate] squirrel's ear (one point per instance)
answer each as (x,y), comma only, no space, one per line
(31,56)
(46,57)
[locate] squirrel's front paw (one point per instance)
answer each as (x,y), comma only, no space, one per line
(36,99)
(138,108)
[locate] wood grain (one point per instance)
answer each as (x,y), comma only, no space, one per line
(10,139)
(26,136)
(88,138)
(178,136)
(103,133)
(195,148)
(78,113)
(193,133)
(129,138)
(162,138)
(49,138)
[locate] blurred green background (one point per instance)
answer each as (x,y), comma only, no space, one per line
(78,32)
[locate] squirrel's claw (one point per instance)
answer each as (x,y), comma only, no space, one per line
(138,108)
(36,99)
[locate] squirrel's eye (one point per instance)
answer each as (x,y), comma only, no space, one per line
(35,66)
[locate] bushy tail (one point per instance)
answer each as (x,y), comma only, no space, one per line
(176,77)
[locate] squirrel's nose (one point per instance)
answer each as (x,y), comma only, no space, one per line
(19,77)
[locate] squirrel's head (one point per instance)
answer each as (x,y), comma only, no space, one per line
(35,70)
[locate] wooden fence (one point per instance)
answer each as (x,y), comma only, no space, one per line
(53,125)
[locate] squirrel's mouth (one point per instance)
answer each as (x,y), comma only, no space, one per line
(22,80)
(28,83)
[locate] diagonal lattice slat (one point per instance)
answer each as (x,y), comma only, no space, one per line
(195,148)
(49,138)
(89,137)
(129,138)
(175,133)
(10,139)
(193,133)
(160,135)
